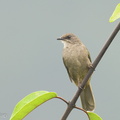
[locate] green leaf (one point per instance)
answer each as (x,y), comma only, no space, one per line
(94,116)
(116,14)
(30,102)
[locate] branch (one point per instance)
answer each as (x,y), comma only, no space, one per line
(63,100)
(91,70)
(82,110)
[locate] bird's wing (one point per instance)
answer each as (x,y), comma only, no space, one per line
(89,57)
(67,70)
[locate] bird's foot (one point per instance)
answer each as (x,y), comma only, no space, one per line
(91,66)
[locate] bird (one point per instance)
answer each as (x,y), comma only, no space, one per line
(77,61)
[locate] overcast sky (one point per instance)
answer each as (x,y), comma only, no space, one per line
(31,57)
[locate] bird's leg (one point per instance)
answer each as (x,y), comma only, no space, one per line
(79,85)
(91,66)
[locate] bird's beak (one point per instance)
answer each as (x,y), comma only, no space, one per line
(60,39)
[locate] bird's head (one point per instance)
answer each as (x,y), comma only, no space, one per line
(69,38)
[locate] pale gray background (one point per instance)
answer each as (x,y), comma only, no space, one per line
(30,55)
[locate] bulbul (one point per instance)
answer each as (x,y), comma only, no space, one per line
(77,61)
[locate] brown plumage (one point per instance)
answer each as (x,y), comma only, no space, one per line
(77,61)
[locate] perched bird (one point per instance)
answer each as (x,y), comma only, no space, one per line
(77,61)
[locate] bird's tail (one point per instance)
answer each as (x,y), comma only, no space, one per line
(87,98)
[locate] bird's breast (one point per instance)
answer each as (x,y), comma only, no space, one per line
(75,60)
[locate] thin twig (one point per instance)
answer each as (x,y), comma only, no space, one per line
(91,70)
(83,111)
(63,100)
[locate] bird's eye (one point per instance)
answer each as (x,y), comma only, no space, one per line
(68,37)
